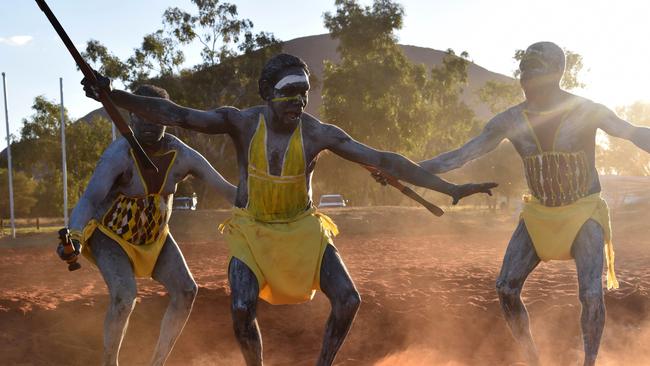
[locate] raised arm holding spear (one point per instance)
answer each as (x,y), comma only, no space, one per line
(103,97)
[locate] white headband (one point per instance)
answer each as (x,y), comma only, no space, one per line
(291,79)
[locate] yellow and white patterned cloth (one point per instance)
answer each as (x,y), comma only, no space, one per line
(279,236)
(137,224)
(557,178)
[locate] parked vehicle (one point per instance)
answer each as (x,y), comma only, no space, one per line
(332,200)
(186,203)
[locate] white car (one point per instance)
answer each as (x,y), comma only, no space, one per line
(185,203)
(332,200)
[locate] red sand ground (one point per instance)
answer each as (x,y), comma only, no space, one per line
(427,287)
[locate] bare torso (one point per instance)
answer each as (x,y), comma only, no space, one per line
(116,174)
(575,132)
(569,128)
(315,136)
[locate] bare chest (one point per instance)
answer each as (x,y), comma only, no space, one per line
(135,182)
(279,149)
(277,146)
(532,135)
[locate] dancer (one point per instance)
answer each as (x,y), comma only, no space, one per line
(564,217)
(121,225)
(281,247)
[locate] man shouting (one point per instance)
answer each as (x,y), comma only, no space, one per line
(281,247)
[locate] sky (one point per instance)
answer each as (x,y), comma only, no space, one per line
(611,36)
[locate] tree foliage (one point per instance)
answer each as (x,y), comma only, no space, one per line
(214,25)
(622,157)
(24,193)
(453,120)
(382,99)
(232,56)
(37,155)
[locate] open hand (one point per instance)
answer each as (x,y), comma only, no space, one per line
(465,190)
(92,89)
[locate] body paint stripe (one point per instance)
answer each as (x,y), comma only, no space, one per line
(291,79)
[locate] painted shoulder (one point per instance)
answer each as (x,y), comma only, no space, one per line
(240,117)
(323,135)
(313,126)
(589,111)
(174,143)
(589,106)
(229,112)
(183,150)
(506,119)
(117,152)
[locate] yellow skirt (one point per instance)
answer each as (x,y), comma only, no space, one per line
(285,255)
(553,229)
(143,257)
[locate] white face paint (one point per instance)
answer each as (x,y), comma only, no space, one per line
(291,79)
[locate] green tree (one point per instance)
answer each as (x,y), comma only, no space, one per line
(38,155)
(38,151)
(232,57)
(214,25)
(375,93)
(499,95)
(380,98)
(105,62)
(621,157)
(85,143)
(24,194)
(453,120)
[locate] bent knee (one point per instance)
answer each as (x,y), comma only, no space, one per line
(190,290)
(353,300)
(348,303)
(186,295)
(123,299)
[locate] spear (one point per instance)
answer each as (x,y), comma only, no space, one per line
(104,97)
(408,192)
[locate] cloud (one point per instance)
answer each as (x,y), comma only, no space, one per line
(16,40)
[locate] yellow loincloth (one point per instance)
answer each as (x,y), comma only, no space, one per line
(139,223)
(285,255)
(143,258)
(553,229)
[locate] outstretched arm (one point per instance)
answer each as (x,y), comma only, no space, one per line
(164,111)
(202,169)
(609,122)
(111,164)
(394,164)
(488,140)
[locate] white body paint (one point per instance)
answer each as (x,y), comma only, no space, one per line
(291,79)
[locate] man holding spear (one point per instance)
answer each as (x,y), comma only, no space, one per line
(281,247)
(121,221)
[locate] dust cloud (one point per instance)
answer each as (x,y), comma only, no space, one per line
(427,286)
